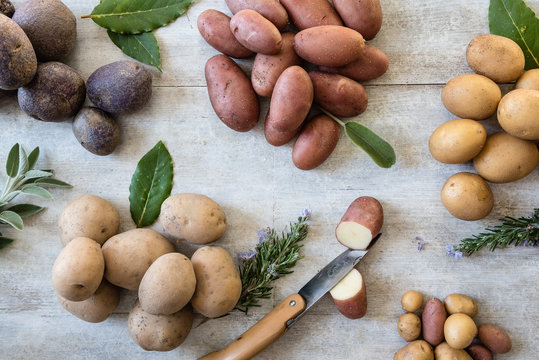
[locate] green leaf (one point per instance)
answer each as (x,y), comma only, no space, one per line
(32,158)
(36,174)
(377,148)
(11,218)
(12,164)
(52,182)
(137,16)
(142,47)
(3,203)
(23,161)
(36,191)
(150,185)
(25,210)
(4,242)
(515,20)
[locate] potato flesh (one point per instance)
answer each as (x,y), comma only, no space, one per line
(353,235)
(349,286)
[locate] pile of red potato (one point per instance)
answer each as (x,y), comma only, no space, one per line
(330,41)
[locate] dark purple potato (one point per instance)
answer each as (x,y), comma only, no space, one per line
(7,8)
(121,87)
(50,26)
(96,131)
(56,93)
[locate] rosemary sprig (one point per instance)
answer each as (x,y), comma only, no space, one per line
(274,256)
(524,230)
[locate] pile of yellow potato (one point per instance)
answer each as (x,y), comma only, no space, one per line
(453,336)
(96,261)
(501,157)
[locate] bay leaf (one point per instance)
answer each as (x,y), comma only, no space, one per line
(150,185)
(377,148)
(142,47)
(515,20)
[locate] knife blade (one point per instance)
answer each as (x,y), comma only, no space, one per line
(272,326)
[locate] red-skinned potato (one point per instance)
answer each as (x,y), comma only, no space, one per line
(255,32)
(271,10)
(479,352)
(350,295)
(433,319)
(267,68)
(279,138)
(214,26)
(372,64)
(364,16)
(494,338)
(329,45)
(316,142)
(231,94)
(360,223)
(310,13)
(338,94)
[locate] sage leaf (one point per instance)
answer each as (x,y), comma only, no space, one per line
(4,242)
(36,191)
(377,148)
(11,218)
(142,47)
(150,185)
(515,20)
(23,161)
(25,210)
(137,16)
(52,182)
(32,158)
(35,174)
(12,163)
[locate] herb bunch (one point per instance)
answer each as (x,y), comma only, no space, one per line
(274,257)
(522,231)
(23,179)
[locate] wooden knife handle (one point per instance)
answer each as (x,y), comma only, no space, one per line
(263,333)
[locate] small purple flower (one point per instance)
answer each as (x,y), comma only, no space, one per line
(452,252)
(263,234)
(306,213)
(525,242)
(270,270)
(246,256)
(420,243)
(458,254)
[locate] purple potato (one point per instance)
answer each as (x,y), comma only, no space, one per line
(96,131)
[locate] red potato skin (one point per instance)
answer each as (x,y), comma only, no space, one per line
(231,94)
(329,45)
(494,338)
(214,26)
(372,64)
(279,138)
(364,16)
(356,306)
(310,13)
(366,211)
(433,319)
(338,94)
(255,32)
(479,352)
(267,68)
(316,142)
(270,9)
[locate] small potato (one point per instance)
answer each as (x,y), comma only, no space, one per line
(329,45)
(494,338)
(416,350)
(310,13)
(96,308)
(50,26)
(218,282)
(496,57)
(96,131)
(159,332)
(528,80)
(372,64)
(231,94)
(457,141)
(6,8)
(78,270)
(18,63)
(360,223)
(467,196)
(518,113)
(479,352)
(350,295)
(433,319)
(271,10)
(445,352)
(471,96)
(121,87)
(128,255)
(56,93)
(505,158)
(459,303)
(409,326)
(255,32)
(364,16)
(339,95)
(214,26)
(193,217)
(459,331)
(88,216)
(316,142)
(412,301)
(168,285)
(267,68)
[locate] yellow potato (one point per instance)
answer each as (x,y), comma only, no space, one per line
(96,308)
(528,80)
(518,113)
(416,350)
(459,331)
(457,141)
(505,158)
(467,196)
(446,352)
(409,326)
(459,303)
(412,301)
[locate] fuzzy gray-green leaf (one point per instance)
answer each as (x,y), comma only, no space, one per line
(36,191)
(25,210)
(32,158)
(377,148)
(11,218)
(36,174)
(150,185)
(4,242)
(52,182)
(142,47)
(12,163)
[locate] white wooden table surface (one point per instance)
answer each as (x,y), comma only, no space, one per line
(258,185)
